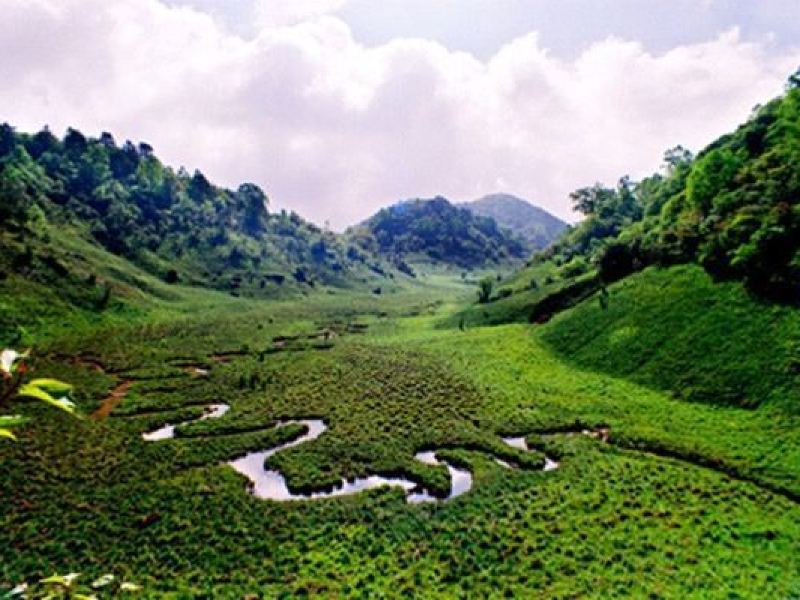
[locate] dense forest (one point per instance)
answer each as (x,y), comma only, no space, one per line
(437,231)
(734,208)
(176,225)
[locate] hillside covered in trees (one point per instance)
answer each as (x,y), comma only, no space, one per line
(687,281)
(175,225)
(734,209)
(436,231)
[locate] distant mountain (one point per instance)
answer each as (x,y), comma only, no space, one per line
(534,225)
(437,231)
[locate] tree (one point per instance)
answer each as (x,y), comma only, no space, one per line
(199,187)
(253,201)
(74,142)
(7,139)
(41,142)
(616,262)
(124,161)
(676,157)
(485,287)
(711,175)
(590,200)
(107,140)
(793,82)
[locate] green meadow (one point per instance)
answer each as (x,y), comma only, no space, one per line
(671,410)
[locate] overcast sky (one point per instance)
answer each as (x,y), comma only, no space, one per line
(337,107)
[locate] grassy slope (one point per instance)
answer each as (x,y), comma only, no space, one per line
(676,330)
(47,304)
(515,308)
(527,387)
(39,302)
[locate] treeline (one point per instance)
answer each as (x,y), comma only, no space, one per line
(734,208)
(135,206)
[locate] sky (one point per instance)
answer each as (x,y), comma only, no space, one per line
(338,107)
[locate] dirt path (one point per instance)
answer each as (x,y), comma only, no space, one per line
(112,400)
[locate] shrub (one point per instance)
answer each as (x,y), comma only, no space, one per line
(13,384)
(171,276)
(616,261)
(485,288)
(576,266)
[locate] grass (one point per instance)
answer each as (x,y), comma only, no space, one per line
(675,329)
(515,299)
(615,520)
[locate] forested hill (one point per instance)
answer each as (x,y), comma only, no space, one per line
(176,225)
(688,280)
(436,231)
(734,209)
(534,225)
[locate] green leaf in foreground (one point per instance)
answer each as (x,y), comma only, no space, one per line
(12,420)
(52,386)
(31,391)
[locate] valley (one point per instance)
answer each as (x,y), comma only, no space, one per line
(204,397)
(710,491)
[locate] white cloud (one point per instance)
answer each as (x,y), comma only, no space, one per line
(334,129)
(270,13)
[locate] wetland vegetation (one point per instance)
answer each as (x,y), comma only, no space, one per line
(679,499)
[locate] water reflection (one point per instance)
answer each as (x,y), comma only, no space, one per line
(269,484)
(521,444)
(460,479)
(213,411)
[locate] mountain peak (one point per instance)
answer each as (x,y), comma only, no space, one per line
(535,225)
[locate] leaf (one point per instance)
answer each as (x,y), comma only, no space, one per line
(31,391)
(54,580)
(12,420)
(5,433)
(66,404)
(103,581)
(18,591)
(127,586)
(52,386)
(84,597)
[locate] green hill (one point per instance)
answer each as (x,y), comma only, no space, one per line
(436,231)
(534,225)
(706,256)
(676,329)
(734,209)
(176,226)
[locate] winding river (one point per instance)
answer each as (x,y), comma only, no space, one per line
(269,484)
